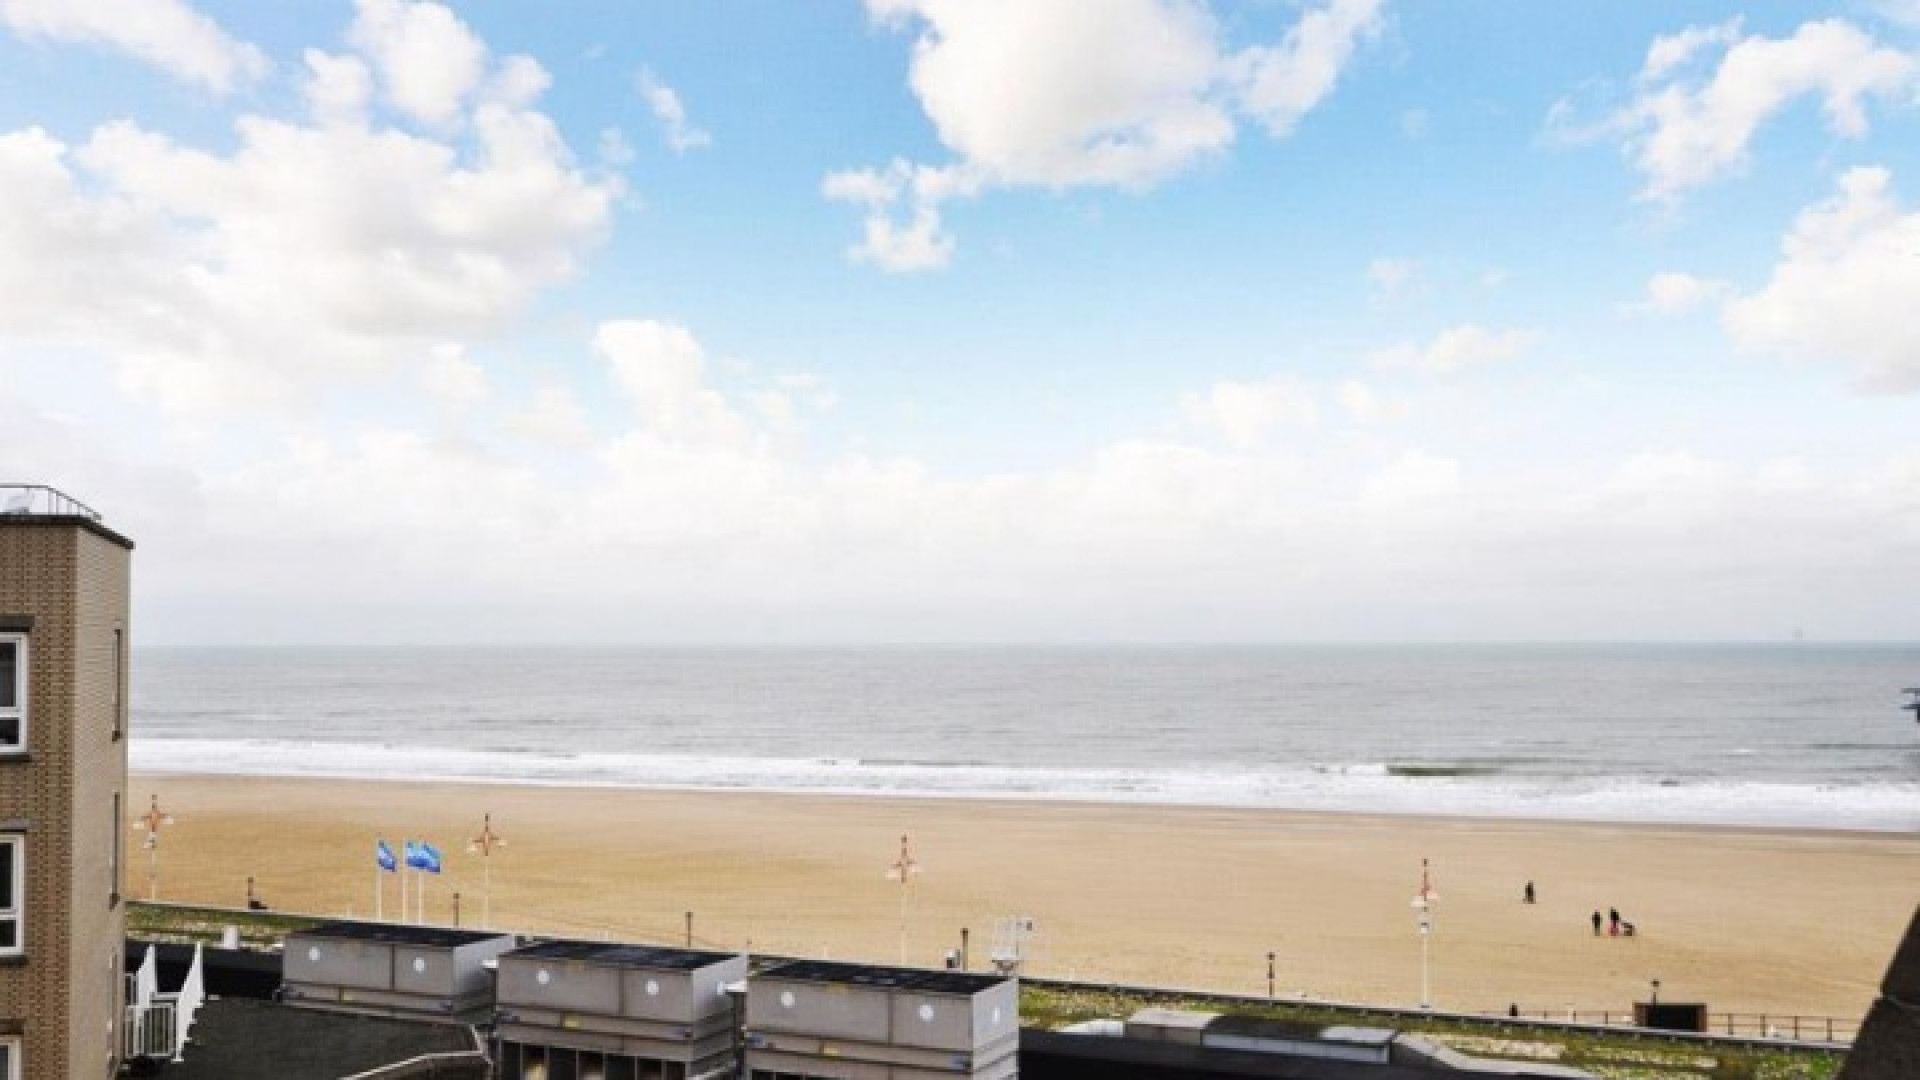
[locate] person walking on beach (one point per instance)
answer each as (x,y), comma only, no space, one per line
(1613,922)
(1529,893)
(1596,922)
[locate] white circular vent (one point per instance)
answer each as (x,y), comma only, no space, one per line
(313,954)
(996,1016)
(543,976)
(653,988)
(926,1013)
(786,999)
(419,965)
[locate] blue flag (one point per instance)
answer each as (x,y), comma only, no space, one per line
(383,855)
(415,857)
(429,858)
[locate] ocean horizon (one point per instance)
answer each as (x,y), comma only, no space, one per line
(1777,735)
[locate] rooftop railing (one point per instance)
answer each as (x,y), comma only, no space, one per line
(42,501)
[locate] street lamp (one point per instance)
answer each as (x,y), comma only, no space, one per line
(1656,992)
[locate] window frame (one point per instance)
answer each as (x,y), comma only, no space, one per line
(17,914)
(22,688)
(117,870)
(12,1068)
(119,686)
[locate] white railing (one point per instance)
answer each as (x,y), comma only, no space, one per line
(158,1024)
(151,1029)
(41,499)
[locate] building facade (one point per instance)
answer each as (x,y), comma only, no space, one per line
(63,780)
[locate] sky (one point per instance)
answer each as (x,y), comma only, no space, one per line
(953,321)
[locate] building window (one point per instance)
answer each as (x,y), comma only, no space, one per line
(118,850)
(13,896)
(10,1060)
(13,692)
(119,685)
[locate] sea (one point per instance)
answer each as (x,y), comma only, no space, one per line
(1789,735)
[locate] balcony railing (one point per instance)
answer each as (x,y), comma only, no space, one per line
(41,500)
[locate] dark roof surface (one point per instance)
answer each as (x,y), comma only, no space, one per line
(889,978)
(438,937)
(1888,1046)
(240,1039)
(648,957)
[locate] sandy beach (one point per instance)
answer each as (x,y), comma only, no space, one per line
(1746,920)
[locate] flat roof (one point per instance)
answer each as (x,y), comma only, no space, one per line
(239,1039)
(643,957)
(884,978)
(1261,1027)
(436,937)
(64,521)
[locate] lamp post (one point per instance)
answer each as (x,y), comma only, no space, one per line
(1656,992)
(1269,976)
(1423,911)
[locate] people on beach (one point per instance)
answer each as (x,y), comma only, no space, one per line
(1529,892)
(1596,922)
(1613,922)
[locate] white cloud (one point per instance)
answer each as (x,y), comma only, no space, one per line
(338,88)
(902,231)
(540,523)
(1413,476)
(1457,349)
(671,114)
(1059,92)
(225,278)
(428,61)
(1284,83)
(1671,292)
(1364,405)
(1064,93)
(1686,128)
(662,370)
(1670,51)
(453,379)
(166,33)
(1246,413)
(554,416)
(1845,288)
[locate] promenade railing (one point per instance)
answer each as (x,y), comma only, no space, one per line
(1789,1027)
(1753,1029)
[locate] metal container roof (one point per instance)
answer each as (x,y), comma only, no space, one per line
(437,937)
(884,978)
(643,957)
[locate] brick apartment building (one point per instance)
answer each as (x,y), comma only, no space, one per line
(63,782)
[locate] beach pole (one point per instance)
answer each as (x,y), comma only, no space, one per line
(1423,907)
(903,869)
(151,822)
(483,845)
